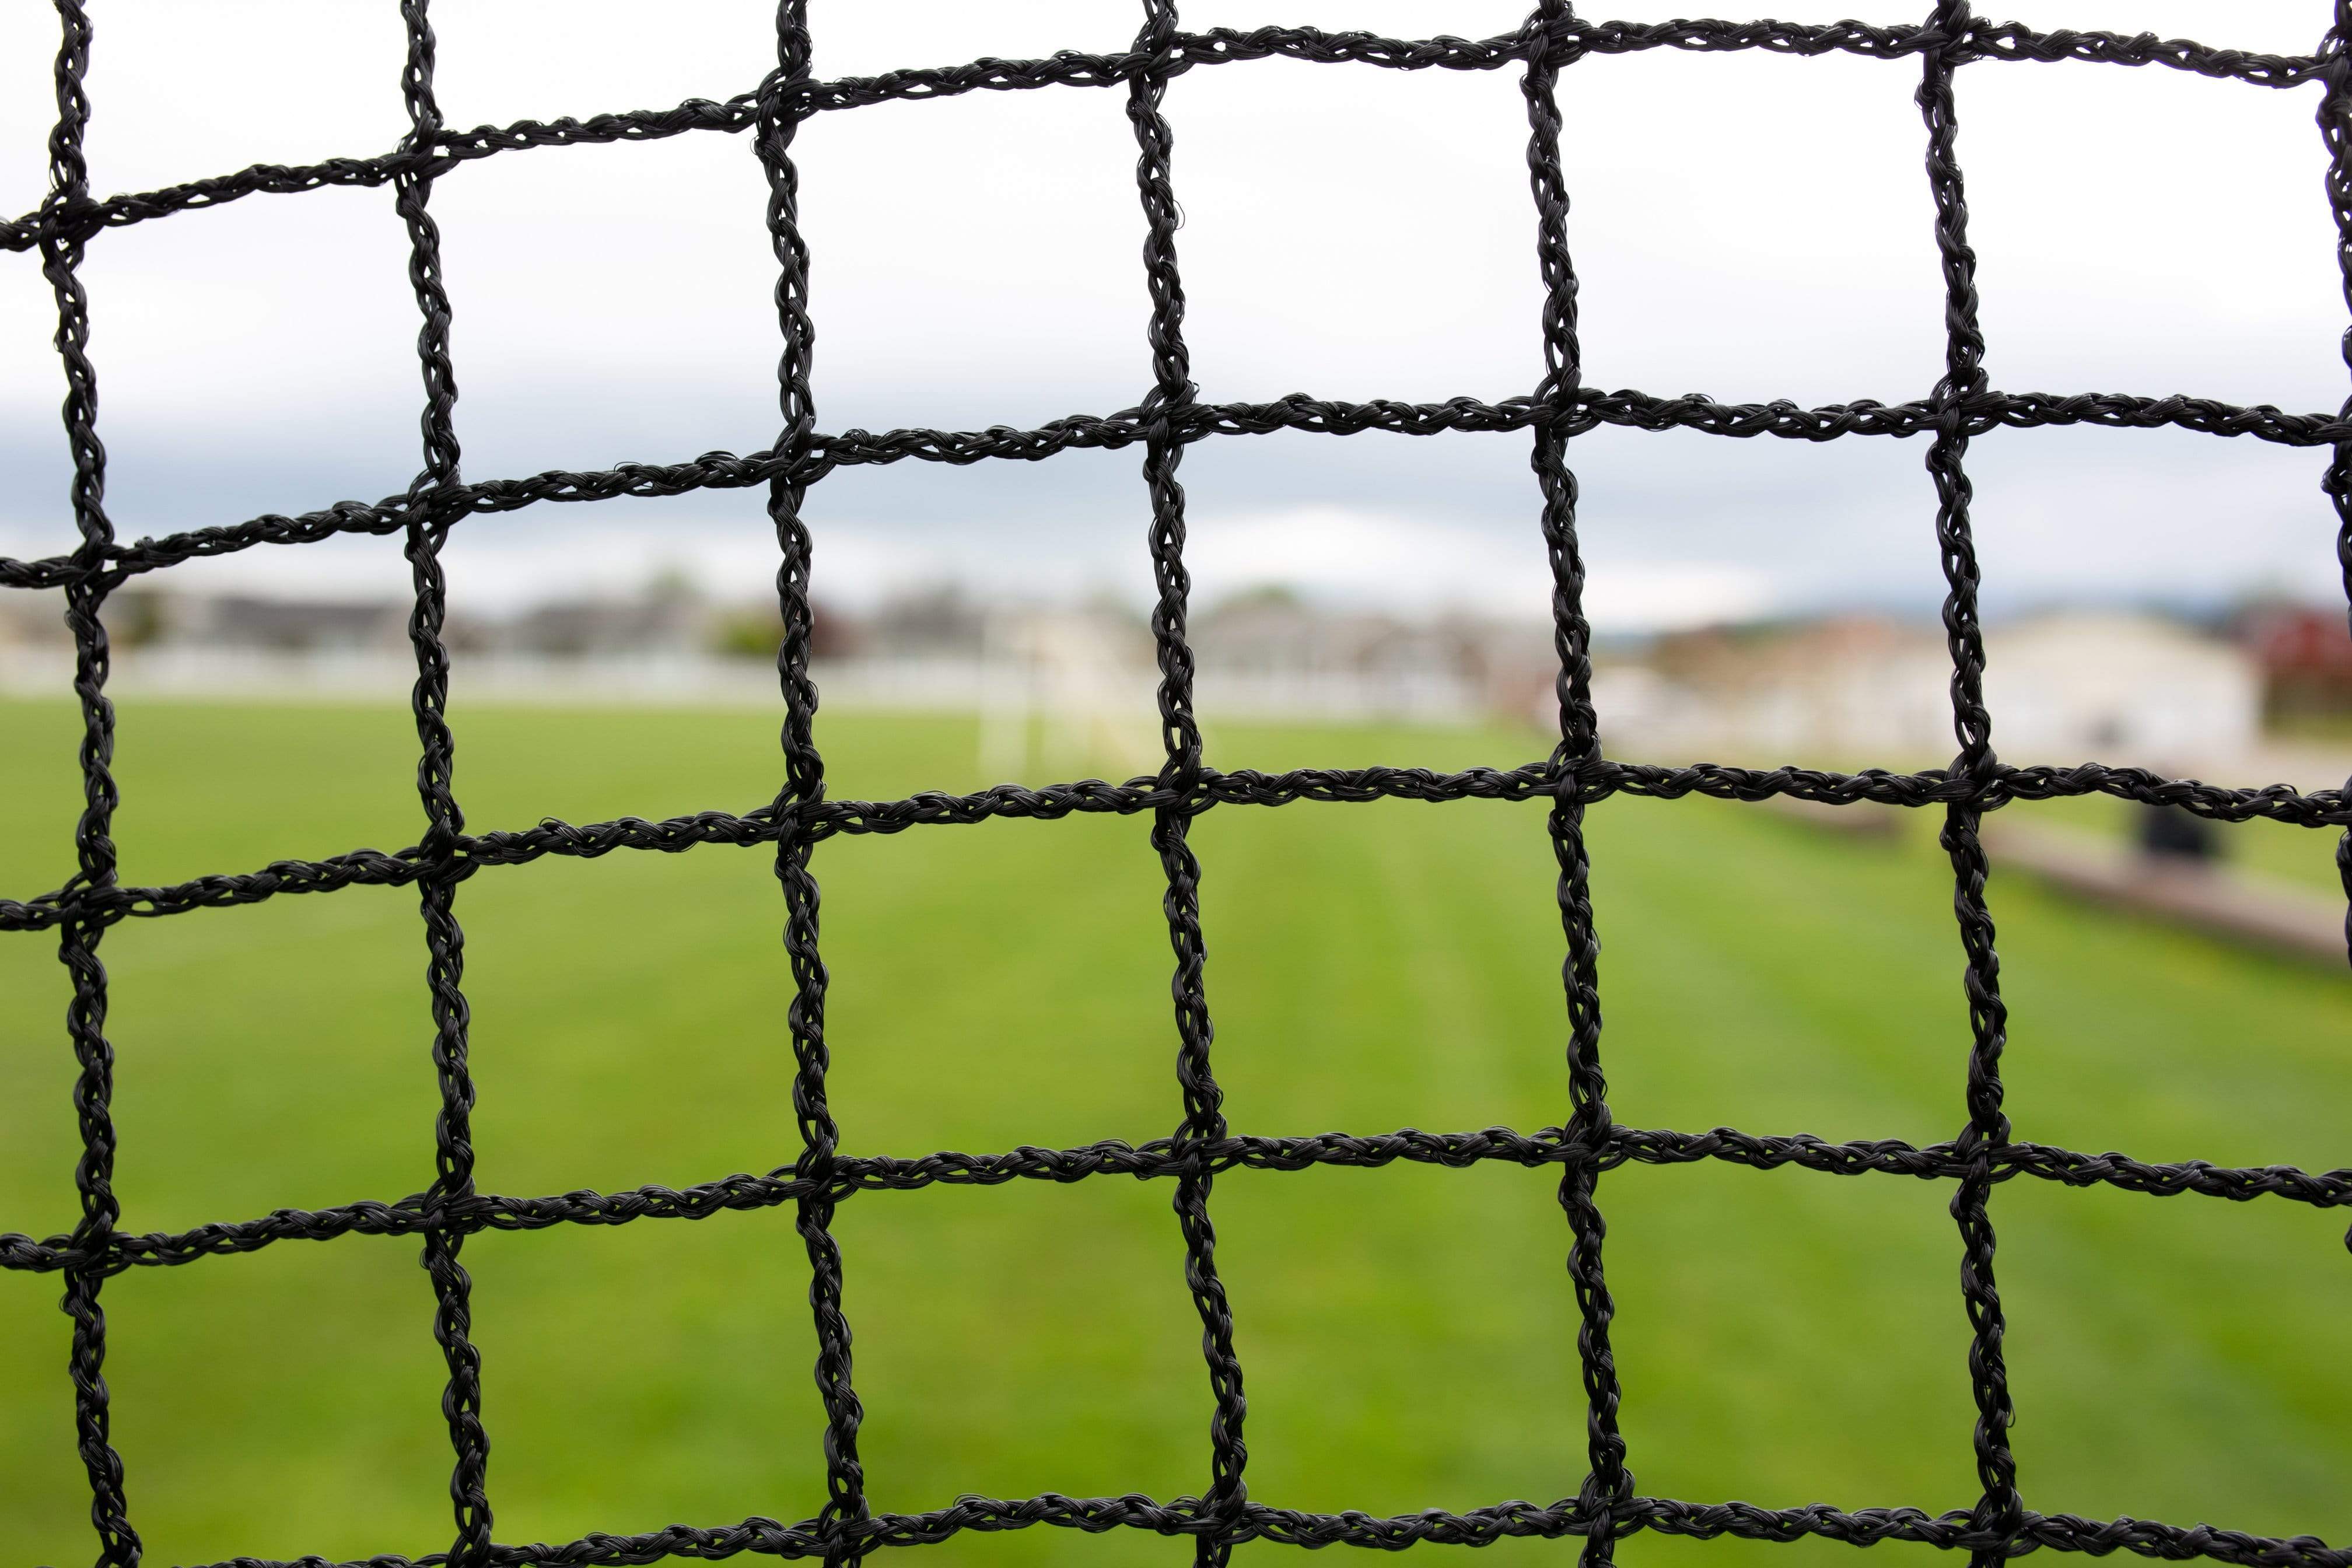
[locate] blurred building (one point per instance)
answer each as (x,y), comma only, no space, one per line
(664,625)
(2305,655)
(250,622)
(36,653)
(2117,685)
(1078,680)
(2063,688)
(936,648)
(253,644)
(1844,689)
(1067,691)
(33,620)
(1272,653)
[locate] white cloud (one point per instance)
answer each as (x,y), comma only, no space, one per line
(1756,226)
(1370,560)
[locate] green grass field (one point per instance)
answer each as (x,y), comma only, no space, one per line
(1409,1334)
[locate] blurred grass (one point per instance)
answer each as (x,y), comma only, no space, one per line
(1409,1334)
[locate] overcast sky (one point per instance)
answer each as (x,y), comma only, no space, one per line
(1749,225)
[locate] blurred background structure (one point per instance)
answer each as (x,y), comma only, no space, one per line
(2258,688)
(2152,597)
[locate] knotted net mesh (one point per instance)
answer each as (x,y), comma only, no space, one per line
(1607,1505)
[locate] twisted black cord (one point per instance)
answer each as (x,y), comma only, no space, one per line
(428,514)
(780,109)
(1163,416)
(1607,1482)
(1998,1509)
(1983,42)
(1476,1527)
(1166,1159)
(1591,782)
(1978,413)
(2335,131)
(86,586)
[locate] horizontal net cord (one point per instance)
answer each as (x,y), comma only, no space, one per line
(1166,1159)
(1983,414)
(1983,42)
(1476,1527)
(1589,782)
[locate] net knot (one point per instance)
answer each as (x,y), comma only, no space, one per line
(1605,1500)
(1978,767)
(448,852)
(1551,36)
(69,217)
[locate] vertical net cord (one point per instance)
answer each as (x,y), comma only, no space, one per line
(61,254)
(2335,131)
(780,107)
(1607,1483)
(1997,1509)
(1172,394)
(430,514)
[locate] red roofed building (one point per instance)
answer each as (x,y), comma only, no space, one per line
(2305,655)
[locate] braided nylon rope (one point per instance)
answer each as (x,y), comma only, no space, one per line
(1607,1506)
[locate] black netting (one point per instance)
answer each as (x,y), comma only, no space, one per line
(1960,407)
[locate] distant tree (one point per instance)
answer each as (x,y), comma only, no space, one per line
(747,632)
(134,617)
(757,631)
(672,585)
(1265,597)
